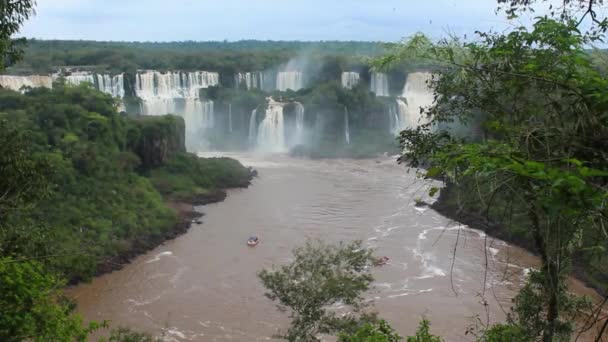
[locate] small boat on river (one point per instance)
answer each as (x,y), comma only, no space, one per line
(381,261)
(253,241)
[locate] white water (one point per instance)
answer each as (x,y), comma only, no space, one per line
(299,137)
(112,85)
(416,96)
(271,132)
(393,116)
(290,80)
(379,84)
(346,126)
(179,93)
(77,78)
(33,81)
(252,80)
(350,79)
(230,117)
(253,129)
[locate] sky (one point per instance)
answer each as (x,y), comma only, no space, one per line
(203,20)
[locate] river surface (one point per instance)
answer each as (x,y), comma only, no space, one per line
(203,286)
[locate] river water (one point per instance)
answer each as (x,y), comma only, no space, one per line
(203,286)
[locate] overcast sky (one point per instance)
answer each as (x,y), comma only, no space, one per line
(171,20)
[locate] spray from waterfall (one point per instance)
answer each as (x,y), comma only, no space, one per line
(290,80)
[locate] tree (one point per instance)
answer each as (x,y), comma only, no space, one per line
(540,165)
(423,334)
(370,332)
(14,13)
(319,277)
(31,308)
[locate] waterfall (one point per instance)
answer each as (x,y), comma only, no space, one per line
(113,85)
(77,78)
(271,133)
(179,93)
(393,117)
(346,126)
(299,138)
(379,84)
(416,95)
(253,128)
(252,80)
(230,117)
(17,82)
(350,79)
(290,80)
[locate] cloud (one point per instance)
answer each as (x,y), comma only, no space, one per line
(160,20)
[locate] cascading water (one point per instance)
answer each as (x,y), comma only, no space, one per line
(253,128)
(271,132)
(230,117)
(252,80)
(179,93)
(346,126)
(393,116)
(416,95)
(77,78)
(33,81)
(379,84)
(113,85)
(350,79)
(290,80)
(299,137)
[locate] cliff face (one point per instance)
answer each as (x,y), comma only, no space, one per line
(155,139)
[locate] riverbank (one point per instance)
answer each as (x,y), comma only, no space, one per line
(447,206)
(186,215)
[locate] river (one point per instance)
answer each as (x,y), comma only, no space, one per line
(203,286)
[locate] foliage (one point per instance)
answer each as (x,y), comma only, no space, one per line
(13,14)
(227,57)
(186,177)
(540,166)
(31,307)
(505,333)
(98,207)
(372,332)
(320,277)
(123,334)
(423,334)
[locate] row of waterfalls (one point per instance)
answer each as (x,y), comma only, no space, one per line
(272,131)
(294,80)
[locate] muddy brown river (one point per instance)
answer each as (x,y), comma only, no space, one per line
(203,286)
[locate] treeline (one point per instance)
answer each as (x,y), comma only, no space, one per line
(43,56)
(93,175)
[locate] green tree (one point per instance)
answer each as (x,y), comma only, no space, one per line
(319,277)
(371,332)
(423,334)
(14,13)
(540,166)
(31,307)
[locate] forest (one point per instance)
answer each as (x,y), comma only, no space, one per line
(86,187)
